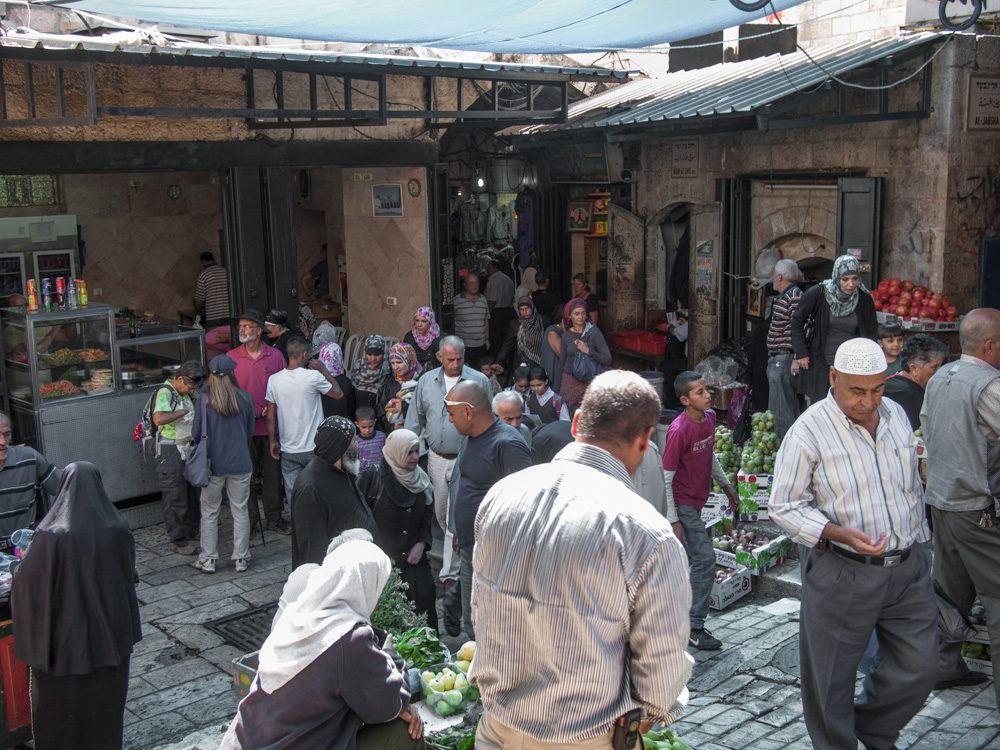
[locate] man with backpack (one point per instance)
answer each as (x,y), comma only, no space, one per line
(171,412)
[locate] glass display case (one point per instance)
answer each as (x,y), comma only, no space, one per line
(57,356)
(151,359)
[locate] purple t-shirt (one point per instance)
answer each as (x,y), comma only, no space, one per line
(688,452)
(370,450)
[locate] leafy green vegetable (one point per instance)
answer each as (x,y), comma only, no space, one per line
(664,739)
(461,737)
(421,648)
(395,613)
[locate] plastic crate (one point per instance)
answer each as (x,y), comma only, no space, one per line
(244,672)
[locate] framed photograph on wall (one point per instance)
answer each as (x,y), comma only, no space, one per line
(387,200)
(579,216)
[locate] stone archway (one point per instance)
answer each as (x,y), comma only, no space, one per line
(813,253)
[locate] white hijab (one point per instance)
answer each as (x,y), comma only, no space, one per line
(338,595)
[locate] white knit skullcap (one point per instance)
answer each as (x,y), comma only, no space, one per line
(860,357)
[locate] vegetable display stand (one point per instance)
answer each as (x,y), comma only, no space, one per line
(15,696)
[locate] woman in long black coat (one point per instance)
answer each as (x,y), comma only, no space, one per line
(838,309)
(76,616)
(400,496)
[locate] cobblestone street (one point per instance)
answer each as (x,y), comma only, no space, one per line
(745,696)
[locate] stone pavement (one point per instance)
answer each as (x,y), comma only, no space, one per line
(747,694)
(744,696)
(181,672)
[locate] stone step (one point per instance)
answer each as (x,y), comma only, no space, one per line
(780,582)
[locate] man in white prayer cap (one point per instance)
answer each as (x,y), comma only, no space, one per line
(846,487)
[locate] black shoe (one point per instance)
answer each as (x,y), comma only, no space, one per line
(702,640)
(278,524)
(966,680)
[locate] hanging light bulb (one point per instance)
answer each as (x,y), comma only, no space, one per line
(480,182)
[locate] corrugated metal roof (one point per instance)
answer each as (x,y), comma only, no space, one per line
(127,43)
(725,89)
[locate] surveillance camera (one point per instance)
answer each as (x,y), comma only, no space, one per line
(627,175)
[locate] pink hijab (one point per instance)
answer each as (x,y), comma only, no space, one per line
(424,340)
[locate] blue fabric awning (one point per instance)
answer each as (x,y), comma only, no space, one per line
(511,26)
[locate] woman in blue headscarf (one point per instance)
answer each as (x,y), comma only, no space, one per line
(827,315)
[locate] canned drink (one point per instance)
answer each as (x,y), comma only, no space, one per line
(81,292)
(60,285)
(32,295)
(46,294)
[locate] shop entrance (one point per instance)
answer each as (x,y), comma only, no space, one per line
(810,219)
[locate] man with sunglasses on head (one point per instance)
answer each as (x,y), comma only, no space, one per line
(173,415)
(491,450)
(428,418)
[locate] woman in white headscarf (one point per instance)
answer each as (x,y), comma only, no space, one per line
(399,493)
(323,682)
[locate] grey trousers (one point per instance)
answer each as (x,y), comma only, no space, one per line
(782,395)
(292,465)
(701,561)
(967,562)
(842,602)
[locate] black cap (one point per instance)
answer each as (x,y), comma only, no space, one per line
(254,316)
(278,317)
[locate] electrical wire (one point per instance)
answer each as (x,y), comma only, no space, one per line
(863,87)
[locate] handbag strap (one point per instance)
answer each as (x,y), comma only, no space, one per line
(204,417)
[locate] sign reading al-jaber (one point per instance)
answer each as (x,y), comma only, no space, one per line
(984,103)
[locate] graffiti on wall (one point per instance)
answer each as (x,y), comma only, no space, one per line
(977,202)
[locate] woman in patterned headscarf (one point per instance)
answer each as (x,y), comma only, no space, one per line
(395,394)
(424,337)
(524,336)
(828,315)
(331,355)
(370,372)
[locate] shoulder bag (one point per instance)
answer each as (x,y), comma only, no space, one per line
(196,468)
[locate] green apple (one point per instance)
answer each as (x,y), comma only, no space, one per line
(454,697)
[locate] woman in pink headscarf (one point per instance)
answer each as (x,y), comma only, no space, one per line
(424,337)
(584,340)
(395,394)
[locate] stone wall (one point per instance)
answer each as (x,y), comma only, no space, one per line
(142,245)
(386,257)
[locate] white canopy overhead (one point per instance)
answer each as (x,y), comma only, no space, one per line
(505,26)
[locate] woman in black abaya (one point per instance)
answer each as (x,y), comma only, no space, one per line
(76,616)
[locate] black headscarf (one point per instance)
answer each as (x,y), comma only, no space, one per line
(73,598)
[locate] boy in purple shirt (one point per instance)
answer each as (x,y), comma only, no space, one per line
(369,440)
(689,466)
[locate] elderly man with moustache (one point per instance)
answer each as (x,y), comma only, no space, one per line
(846,487)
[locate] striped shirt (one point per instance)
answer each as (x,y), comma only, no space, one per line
(22,473)
(212,291)
(580,600)
(470,319)
(779,334)
(829,469)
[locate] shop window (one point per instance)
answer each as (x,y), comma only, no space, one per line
(24,190)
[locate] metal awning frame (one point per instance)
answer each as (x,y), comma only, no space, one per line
(779,115)
(286,115)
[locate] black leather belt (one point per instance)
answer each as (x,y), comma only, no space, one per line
(883,561)
(448,456)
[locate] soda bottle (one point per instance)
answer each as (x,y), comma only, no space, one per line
(46,294)
(81,293)
(60,293)
(32,295)
(71,298)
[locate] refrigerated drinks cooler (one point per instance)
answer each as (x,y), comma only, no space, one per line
(77,383)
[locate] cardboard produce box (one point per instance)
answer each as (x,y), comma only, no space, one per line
(716,509)
(735,587)
(758,560)
(755,492)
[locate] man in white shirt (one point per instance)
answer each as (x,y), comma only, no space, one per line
(294,411)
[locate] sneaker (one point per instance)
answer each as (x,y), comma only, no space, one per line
(183,548)
(242,564)
(702,640)
(205,566)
